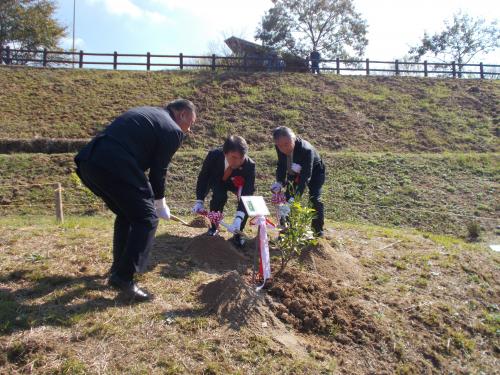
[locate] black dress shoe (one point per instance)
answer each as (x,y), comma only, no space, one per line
(238,241)
(212,232)
(129,288)
(113,269)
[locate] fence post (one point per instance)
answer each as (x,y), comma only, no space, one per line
(45,57)
(213,62)
(58,203)
(115,60)
(1,54)
(396,63)
(7,57)
(80,60)
(337,62)
(426,73)
(181,61)
(367,67)
(454,69)
(481,70)
(148,61)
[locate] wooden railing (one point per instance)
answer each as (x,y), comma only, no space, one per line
(81,59)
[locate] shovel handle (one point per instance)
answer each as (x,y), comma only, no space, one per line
(178,219)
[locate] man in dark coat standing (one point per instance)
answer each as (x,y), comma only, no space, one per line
(113,167)
(315,58)
(227,168)
(299,165)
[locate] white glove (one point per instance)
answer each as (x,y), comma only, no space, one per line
(276,187)
(296,167)
(162,209)
(283,211)
(198,207)
(236,225)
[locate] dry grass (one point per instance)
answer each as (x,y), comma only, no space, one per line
(337,112)
(436,298)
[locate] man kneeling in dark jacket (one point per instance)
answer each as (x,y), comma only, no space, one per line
(227,169)
(299,166)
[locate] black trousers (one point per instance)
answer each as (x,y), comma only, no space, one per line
(136,220)
(315,186)
(219,199)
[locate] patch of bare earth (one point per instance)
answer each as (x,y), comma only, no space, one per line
(363,301)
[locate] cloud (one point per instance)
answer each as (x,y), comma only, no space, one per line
(129,9)
(235,16)
(67,43)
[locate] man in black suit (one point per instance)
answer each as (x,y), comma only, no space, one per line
(299,165)
(221,172)
(113,167)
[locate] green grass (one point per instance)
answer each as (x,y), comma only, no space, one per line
(355,113)
(440,193)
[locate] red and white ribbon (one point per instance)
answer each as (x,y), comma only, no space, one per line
(278,198)
(265,261)
(215,217)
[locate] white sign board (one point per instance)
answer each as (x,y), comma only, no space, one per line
(495,248)
(255,205)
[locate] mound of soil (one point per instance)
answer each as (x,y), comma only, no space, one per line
(237,303)
(200,222)
(216,254)
(331,263)
(315,305)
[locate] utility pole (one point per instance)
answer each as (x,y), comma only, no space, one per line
(73,49)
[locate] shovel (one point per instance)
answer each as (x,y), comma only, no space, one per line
(179,220)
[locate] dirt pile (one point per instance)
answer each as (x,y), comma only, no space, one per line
(315,305)
(215,253)
(200,222)
(237,303)
(331,263)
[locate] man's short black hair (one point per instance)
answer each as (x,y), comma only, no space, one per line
(235,143)
(181,104)
(283,131)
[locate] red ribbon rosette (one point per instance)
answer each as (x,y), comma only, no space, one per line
(238,182)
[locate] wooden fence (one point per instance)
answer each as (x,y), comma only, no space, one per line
(81,59)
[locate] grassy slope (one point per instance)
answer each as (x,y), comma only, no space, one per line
(436,296)
(358,187)
(352,113)
(434,299)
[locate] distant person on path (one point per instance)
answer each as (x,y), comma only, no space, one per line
(299,165)
(113,165)
(225,169)
(315,57)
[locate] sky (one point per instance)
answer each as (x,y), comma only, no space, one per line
(200,26)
